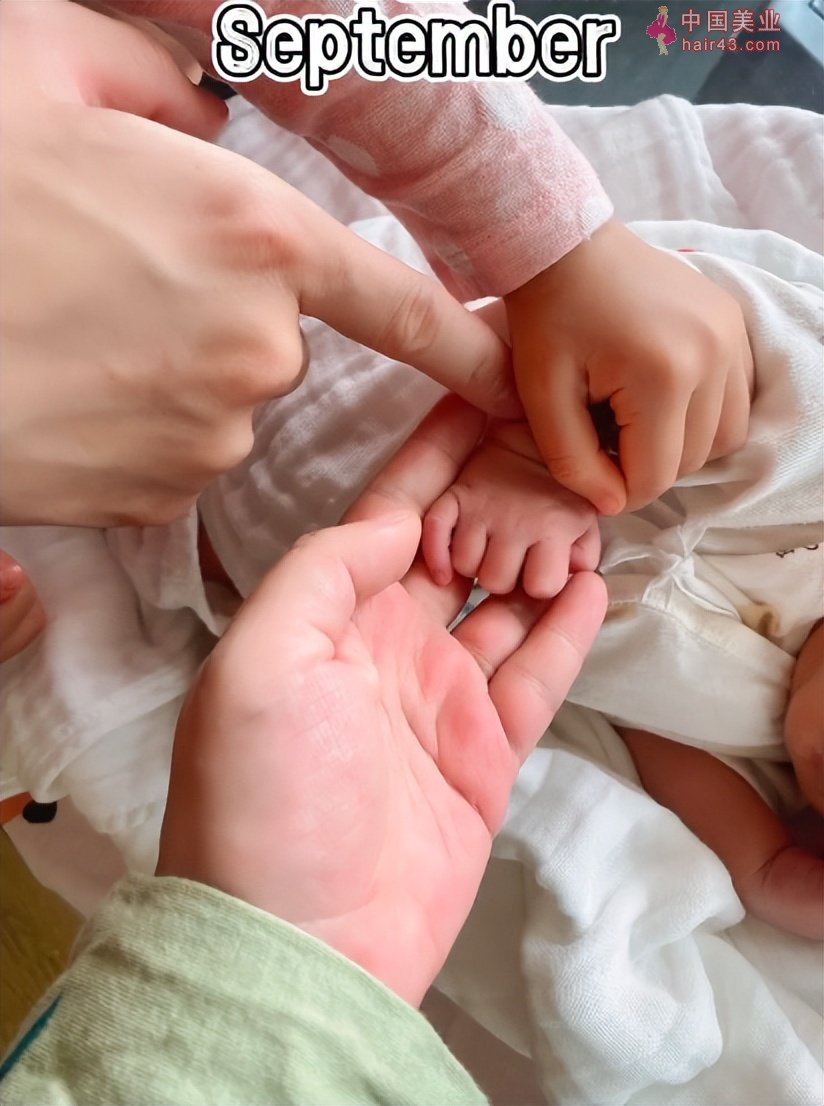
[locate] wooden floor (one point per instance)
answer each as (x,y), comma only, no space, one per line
(37,931)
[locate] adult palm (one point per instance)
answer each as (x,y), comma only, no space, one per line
(344,761)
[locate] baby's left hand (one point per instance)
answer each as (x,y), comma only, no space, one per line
(617,321)
(506,520)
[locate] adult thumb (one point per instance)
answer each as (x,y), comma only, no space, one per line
(327,574)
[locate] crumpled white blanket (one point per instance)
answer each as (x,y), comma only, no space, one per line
(606,942)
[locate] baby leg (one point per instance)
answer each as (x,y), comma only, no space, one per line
(774,879)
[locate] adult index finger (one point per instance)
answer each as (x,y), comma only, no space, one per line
(421,470)
(379,301)
(532,682)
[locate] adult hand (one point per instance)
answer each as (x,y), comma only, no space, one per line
(617,321)
(343,761)
(155,283)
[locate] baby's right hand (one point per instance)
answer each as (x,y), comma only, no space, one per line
(506,519)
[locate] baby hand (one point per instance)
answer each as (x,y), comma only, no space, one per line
(21,615)
(619,321)
(505,518)
(804,720)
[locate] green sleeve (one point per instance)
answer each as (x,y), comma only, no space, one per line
(181,994)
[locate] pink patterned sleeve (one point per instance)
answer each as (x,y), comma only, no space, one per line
(479,172)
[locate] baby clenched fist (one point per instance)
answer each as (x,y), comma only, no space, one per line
(618,321)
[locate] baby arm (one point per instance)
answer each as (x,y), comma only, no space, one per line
(774,878)
(804,721)
(506,519)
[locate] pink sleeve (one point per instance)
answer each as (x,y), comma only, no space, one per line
(480,173)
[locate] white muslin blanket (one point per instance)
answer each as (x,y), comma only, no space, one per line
(607,943)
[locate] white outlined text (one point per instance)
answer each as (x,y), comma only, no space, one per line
(316,49)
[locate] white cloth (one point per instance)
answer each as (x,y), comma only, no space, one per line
(604,942)
(604,945)
(89,709)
